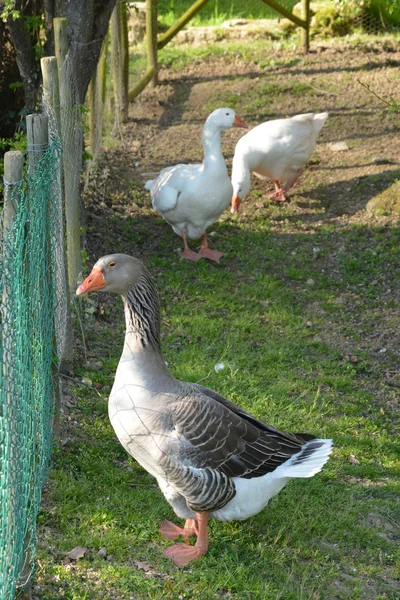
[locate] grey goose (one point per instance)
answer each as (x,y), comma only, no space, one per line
(210,457)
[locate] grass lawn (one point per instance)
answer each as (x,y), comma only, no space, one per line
(218,11)
(303,314)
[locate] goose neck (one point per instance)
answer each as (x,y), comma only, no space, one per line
(142,320)
(211,137)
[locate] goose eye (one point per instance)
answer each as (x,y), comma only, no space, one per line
(227,114)
(111,264)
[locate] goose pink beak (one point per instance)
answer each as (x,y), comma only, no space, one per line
(235,204)
(239,123)
(94,282)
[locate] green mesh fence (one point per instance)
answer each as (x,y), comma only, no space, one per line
(30,296)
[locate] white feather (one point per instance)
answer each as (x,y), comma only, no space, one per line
(252,495)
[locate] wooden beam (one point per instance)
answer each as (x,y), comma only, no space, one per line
(147,77)
(180,23)
(285,12)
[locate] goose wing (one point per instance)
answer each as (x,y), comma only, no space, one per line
(217,441)
(170,183)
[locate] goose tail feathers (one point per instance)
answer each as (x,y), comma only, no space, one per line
(309,461)
(149,184)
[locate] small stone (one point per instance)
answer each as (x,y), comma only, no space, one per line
(374,282)
(309,324)
(316,252)
(212,233)
(353,460)
(93,366)
(102,553)
(310,282)
(137,164)
(382,350)
(87,381)
(338,147)
(219,367)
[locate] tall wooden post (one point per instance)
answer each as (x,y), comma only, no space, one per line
(49,68)
(305,31)
(96,100)
(151,38)
(69,110)
(120,59)
(51,90)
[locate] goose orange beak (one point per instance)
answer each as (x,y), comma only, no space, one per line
(235,204)
(239,123)
(94,282)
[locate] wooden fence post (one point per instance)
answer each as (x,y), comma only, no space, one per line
(96,100)
(48,65)
(151,38)
(13,167)
(51,90)
(120,59)
(38,139)
(305,31)
(70,113)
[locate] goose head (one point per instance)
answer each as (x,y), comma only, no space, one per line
(224,118)
(241,178)
(112,273)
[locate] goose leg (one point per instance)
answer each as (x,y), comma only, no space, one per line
(187,252)
(278,195)
(292,181)
(206,252)
(182,553)
(171,531)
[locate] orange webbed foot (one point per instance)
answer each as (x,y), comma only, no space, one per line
(182,554)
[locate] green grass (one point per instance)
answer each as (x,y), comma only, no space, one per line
(301,356)
(316,532)
(218,11)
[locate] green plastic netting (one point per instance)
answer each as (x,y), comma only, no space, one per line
(31,333)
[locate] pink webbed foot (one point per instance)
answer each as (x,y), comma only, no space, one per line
(278,196)
(188,254)
(171,531)
(206,252)
(182,554)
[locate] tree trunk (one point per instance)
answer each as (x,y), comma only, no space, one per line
(87,26)
(26,61)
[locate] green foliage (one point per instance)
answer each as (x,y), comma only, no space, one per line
(8,10)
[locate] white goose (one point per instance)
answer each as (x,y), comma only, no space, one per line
(276,150)
(192,197)
(211,458)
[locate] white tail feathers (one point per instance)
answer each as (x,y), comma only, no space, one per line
(319,121)
(308,461)
(149,184)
